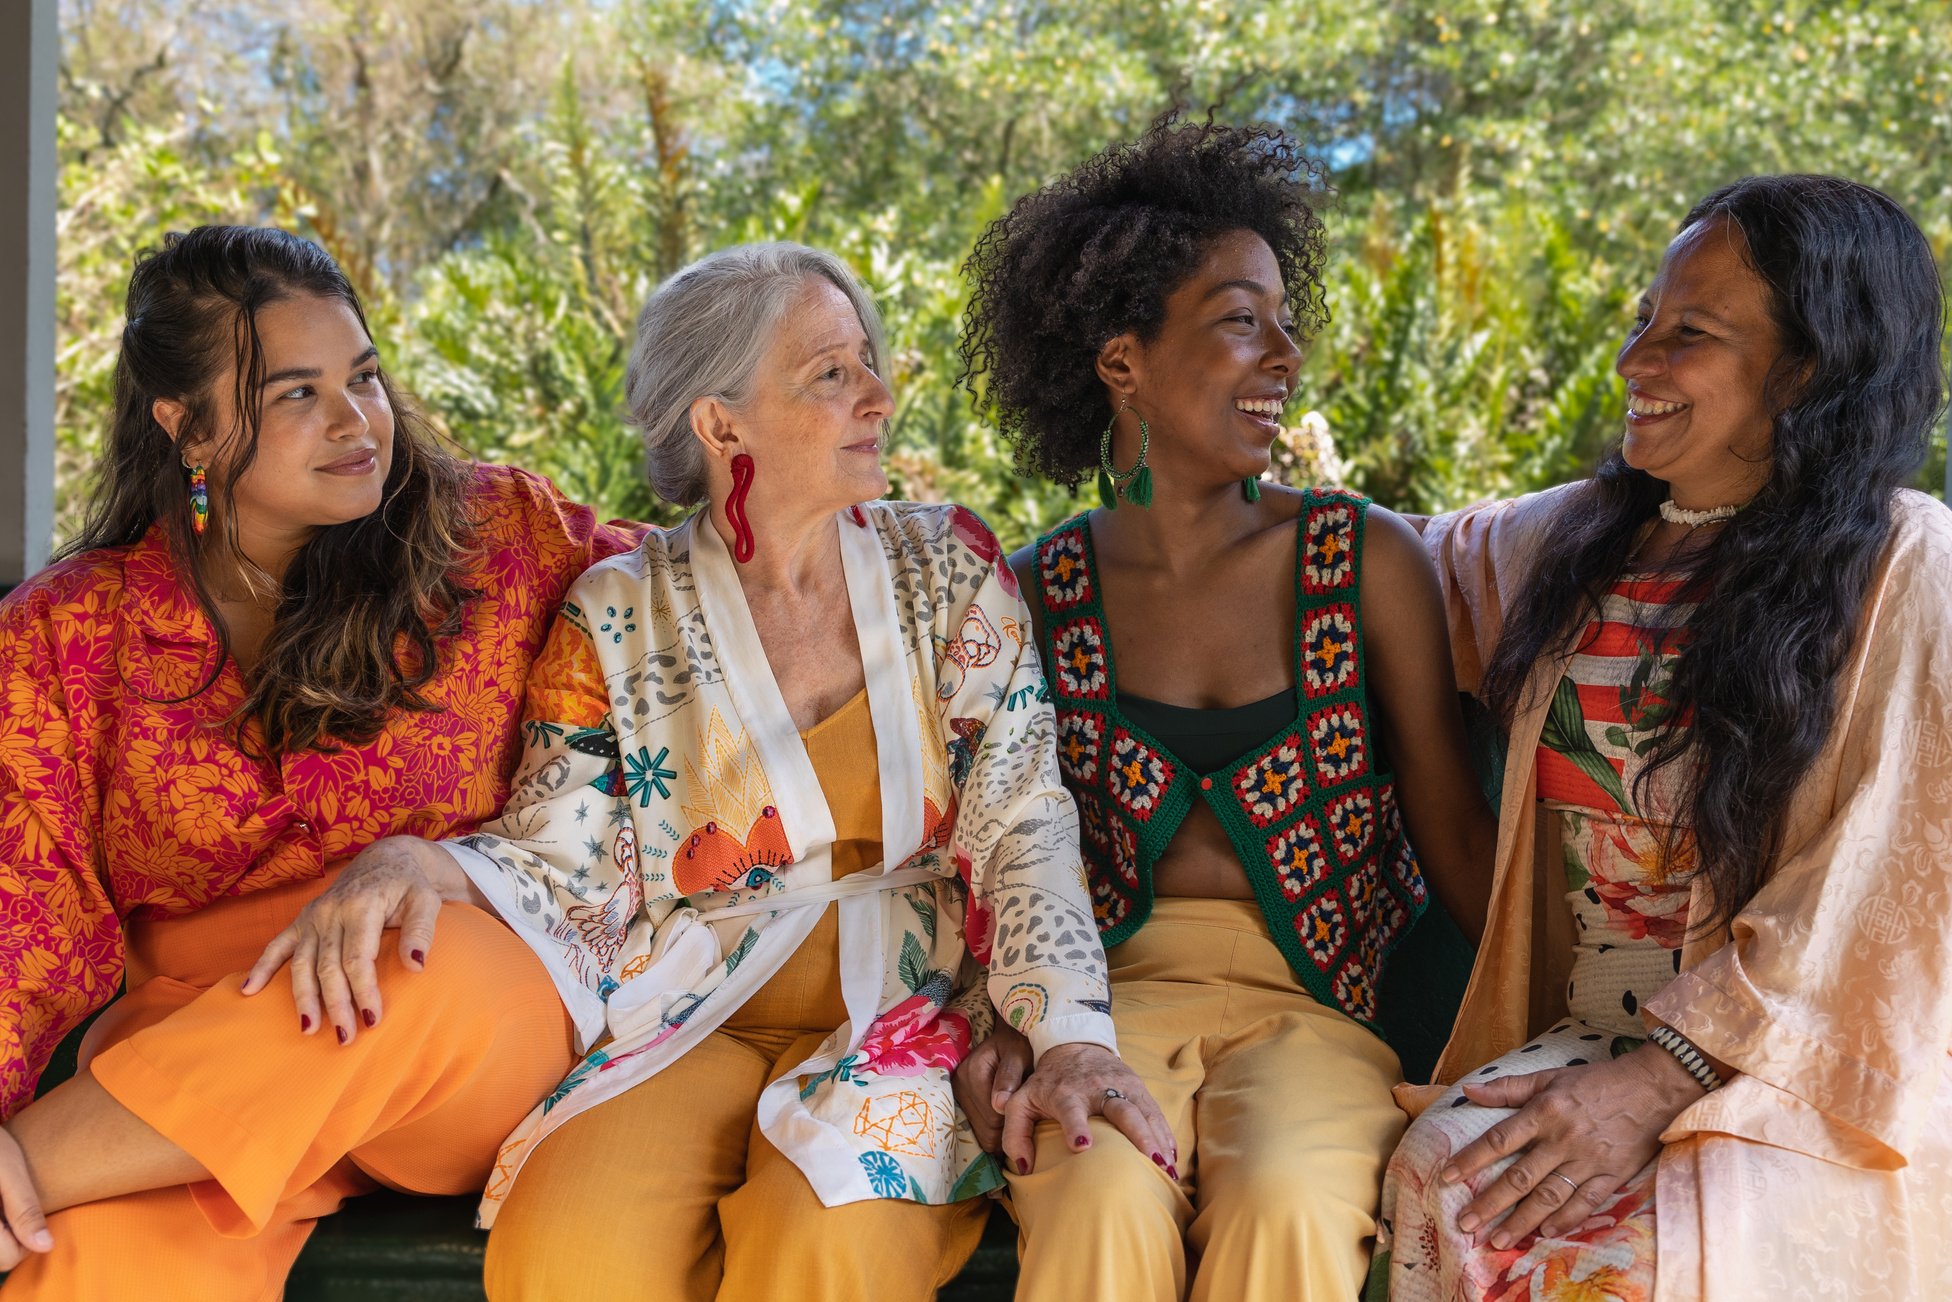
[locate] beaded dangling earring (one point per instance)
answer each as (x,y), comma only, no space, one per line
(199,501)
(735,508)
(1111,480)
(1250,488)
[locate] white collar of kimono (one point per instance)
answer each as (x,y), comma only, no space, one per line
(762,710)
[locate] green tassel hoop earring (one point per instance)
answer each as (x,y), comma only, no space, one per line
(1111,481)
(1250,488)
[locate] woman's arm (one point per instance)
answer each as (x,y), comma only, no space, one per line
(1030,918)
(567,794)
(1408,650)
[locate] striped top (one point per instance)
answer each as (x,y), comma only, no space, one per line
(1627,859)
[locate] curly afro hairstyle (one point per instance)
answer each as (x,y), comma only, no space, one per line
(1096,253)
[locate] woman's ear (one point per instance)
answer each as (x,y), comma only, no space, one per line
(712,425)
(1120,364)
(170,414)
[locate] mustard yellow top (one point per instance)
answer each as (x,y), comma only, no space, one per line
(841,747)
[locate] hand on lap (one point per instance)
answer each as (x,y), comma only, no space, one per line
(1580,1133)
(25,1230)
(334,942)
(985,1080)
(1071,1084)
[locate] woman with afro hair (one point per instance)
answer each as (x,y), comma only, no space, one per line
(1282,673)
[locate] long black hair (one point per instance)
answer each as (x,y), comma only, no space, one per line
(358,594)
(1856,298)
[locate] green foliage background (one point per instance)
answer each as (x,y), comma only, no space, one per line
(507,179)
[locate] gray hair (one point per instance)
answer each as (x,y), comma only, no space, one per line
(702,334)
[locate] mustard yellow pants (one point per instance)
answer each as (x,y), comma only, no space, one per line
(1282,1112)
(669,1191)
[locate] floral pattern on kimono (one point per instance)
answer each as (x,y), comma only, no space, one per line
(667,846)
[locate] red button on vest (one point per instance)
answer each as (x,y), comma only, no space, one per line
(1206,784)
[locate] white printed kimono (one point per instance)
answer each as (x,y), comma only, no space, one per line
(667,845)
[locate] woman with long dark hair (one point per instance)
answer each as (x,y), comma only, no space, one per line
(1705,1047)
(293,624)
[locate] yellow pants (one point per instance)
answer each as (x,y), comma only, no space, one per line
(1282,1111)
(669,1191)
(290,1126)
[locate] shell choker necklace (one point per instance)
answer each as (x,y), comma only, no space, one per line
(1695,519)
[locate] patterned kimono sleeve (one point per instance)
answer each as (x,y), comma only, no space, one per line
(1482,554)
(61,953)
(1016,833)
(1833,996)
(560,861)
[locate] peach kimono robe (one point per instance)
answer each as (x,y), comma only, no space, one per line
(1825,1167)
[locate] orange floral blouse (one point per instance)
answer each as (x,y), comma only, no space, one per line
(120,799)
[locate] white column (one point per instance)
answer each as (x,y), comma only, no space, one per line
(29,51)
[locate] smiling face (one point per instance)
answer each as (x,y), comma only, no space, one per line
(1697,363)
(813,424)
(1215,377)
(325,431)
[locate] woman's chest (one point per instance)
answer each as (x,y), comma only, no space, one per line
(1212,640)
(190,811)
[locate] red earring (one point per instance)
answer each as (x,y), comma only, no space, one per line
(859,519)
(735,508)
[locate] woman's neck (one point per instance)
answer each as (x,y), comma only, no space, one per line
(1183,528)
(795,558)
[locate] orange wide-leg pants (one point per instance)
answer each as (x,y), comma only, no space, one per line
(288,1125)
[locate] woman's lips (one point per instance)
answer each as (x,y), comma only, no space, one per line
(362,464)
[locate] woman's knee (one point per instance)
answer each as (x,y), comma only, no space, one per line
(1110,1185)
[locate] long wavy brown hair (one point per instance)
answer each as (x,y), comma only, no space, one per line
(364,606)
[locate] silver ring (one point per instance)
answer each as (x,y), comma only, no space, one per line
(1111,1094)
(1570,1182)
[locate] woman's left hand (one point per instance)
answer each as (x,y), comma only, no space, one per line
(1071,1084)
(1580,1132)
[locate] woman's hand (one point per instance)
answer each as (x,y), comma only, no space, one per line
(333,942)
(1074,1082)
(1581,1133)
(985,1080)
(26,1228)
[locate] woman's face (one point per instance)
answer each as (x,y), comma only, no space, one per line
(1214,379)
(814,422)
(325,434)
(1696,363)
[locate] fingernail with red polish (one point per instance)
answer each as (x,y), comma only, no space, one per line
(1023,1167)
(1173,1171)
(1158,1160)
(367,1014)
(304,1023)
(419,957)
(343,1037)
(1081,1141)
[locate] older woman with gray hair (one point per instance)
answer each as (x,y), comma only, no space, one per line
(788,833)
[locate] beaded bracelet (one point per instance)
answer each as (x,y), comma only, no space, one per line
(1687,1055)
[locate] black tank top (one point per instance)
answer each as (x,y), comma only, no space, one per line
(1211,740)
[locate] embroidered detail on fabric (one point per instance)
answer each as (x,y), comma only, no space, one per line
(1311,814)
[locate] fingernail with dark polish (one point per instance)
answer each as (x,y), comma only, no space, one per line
(1173,1171)
(304,1023)
(1080,1141)
(419,957)
(367,1014)
(1158,1160)
(1023,1167)
(343,1037)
